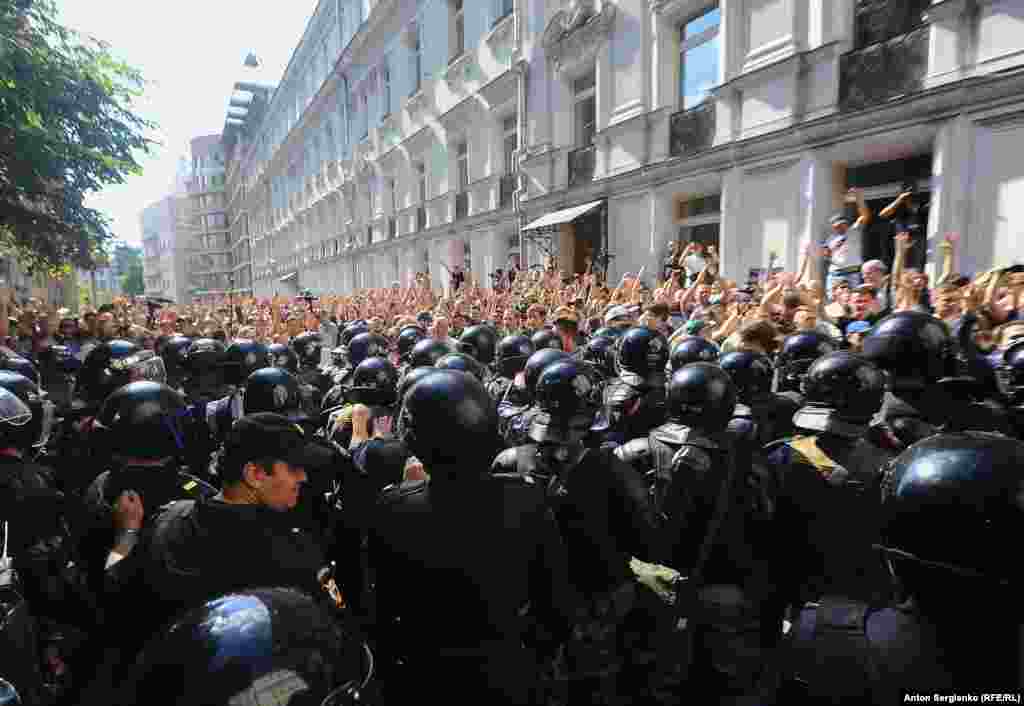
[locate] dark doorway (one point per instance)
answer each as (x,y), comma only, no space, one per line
(587,230)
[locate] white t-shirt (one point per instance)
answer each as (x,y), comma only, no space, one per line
(846,249)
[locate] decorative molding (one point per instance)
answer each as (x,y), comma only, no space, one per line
(460,70)
(502,30)
(770,53)
(574,36)
(416,103)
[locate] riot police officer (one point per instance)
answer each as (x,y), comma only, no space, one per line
(511,557)
(283,356)
(634,402)
(761,415)
(479,341)
(599,353)
(510,359)
(273,390)
(546,338)
(828,478)
(516,410)
(408,337)
(601,506)
(175,354)
(242,358)
(693,350)
(948,503)
(313,384)
(205,373)
(798,352)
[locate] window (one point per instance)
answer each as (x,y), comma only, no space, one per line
(585,109)
(371,196)
(698,57)
(421,178)
(510,137)
(462,160)
(459,30)
(506,8)
(392,188)
(385,88)
(417,62)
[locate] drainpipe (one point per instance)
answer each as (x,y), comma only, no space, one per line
(520,191)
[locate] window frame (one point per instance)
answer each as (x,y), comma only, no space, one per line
(457,9)
(691,43)
(579,97)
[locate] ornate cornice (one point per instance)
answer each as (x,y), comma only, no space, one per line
(573,36)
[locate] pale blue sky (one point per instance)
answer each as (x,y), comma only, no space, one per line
(191,52)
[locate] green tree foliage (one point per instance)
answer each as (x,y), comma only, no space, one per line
(67,129)
(132,283)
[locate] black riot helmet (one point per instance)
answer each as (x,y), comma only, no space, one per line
(479,342)
(308,347)
(1009,375)
(693,350)
(512,354)
(204,355)
(799,351)
(567,400)
(427,352)
(25,416)
(174,352)
(608,332)
(600,353)
(642,352)
(949,503)
(22,366)
(408,337)
(112,364)
(450,423)
(461,361)
(701,395)
(256,646)
(546,338)
(536,363)
(272,390)
(751,373)
(913,347)
(9,696)
(143,420)
(847,383)
(411,377)
(374,382)
(282,356)
(351,331)
(366,345)
(242,358)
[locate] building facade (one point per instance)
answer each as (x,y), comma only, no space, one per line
(412,137)
(163,261)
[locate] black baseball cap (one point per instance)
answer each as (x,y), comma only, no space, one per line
(266,435)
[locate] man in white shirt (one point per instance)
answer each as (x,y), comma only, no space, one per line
(845,244)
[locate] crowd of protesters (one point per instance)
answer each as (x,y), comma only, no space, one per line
(782,488)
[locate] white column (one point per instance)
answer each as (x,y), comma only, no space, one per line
(731,226)
(950,198)
(813,204)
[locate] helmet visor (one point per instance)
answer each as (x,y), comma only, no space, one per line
(13,411)
(144,365)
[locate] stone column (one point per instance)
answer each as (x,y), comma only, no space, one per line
(950,197)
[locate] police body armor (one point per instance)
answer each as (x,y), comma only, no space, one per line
(766,419)
(632,407)
(829,483)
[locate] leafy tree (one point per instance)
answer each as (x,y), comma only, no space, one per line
(67,129)
(132,283)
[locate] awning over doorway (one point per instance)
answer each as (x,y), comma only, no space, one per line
(566,215)
(290,275)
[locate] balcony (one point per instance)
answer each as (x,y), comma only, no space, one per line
(581,165)
(883,71)
(461,204)
(691,131)
(421,218)
(506,189)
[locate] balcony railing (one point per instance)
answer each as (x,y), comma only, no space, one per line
(883,71)
(581,165)
(421,218)
(506,189)
(462,204)
(691,131)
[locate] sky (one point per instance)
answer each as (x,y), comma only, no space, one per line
(191,53)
